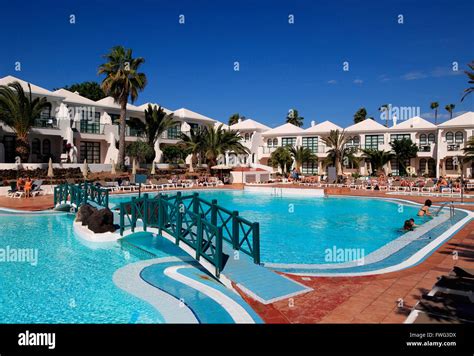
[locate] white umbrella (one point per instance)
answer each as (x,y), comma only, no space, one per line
(113,171)
(134,167)
(369,169)
(85,169)
(426,168)
(50,173)
(153,172)
(389,167)
(50,168)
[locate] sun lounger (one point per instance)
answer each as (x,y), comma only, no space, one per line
(36,190)
(462,272)
(454,285)
(12,190)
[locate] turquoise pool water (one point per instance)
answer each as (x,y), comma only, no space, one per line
(300,230)
(70,283)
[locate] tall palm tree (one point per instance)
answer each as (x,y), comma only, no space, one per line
(449,108)
(194,144)
(347,155)
(360,115)
(385,108)
(294,118)
(434,106)
(19,110)
(157,121)
(217,141)
(404,150)
(470,75)
(281,157)
(122,81)
(336,141)
(378,158)
(301,155)
(235,119)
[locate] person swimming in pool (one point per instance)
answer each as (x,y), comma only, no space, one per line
(412,222)
(425,210)
(407,226)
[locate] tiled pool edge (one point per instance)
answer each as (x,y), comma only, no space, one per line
(413,260)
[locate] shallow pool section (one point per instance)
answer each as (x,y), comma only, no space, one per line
(306,230)
(69,282)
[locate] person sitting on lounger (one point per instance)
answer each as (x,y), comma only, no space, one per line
(20,183)
(425,210)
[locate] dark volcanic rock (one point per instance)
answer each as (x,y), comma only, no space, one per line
(102,221)
(84,213)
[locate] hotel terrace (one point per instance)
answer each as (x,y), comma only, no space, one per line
(91,128)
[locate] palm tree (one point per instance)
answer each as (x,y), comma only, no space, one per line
(378,158)
(449,108)
(434,106)
(19,110)
(123,82)
(218,141)
(360,115)
(157,121)
(385,108)
(404,150)
(470,75)
(235,119)
(294,118)
(194,144)
(301,155)
(469,150)
(281,157)
(347,155)
(336,141)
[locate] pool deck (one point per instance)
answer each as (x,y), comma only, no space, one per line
(369,299)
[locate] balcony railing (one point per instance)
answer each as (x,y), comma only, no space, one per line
(454,146)
(424,148)
(46,122)
(91,127)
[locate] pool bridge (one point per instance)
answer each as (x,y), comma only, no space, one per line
(202,225)
(75,195)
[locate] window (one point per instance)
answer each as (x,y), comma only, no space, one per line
(423,139)
(309,168)
(46,147)
(431,166)
(373,141)
(431,138)
(46,112)
(397,137)
(36,146)
(275,142)
(115,118)
(311,143)
(450,164)
(247,137)
(353,141)
(288,141)
(9,143)
(269,142)
(449,137)
(174,132)
(90,151)
(459,137)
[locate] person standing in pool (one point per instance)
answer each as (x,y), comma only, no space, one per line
(425,210)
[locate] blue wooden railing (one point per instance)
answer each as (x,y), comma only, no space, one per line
(78,194)
(201,224)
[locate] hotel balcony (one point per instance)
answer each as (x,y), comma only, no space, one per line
(426,149)
(454,147)
(91,127)
(46,122)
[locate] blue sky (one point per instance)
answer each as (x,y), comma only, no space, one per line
(282,65)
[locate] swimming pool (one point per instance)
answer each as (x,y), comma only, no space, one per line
(303,230)
(69,282)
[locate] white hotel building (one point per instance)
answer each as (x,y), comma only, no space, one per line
(67,121)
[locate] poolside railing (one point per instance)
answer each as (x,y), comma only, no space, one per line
(201,224)
(79,194)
